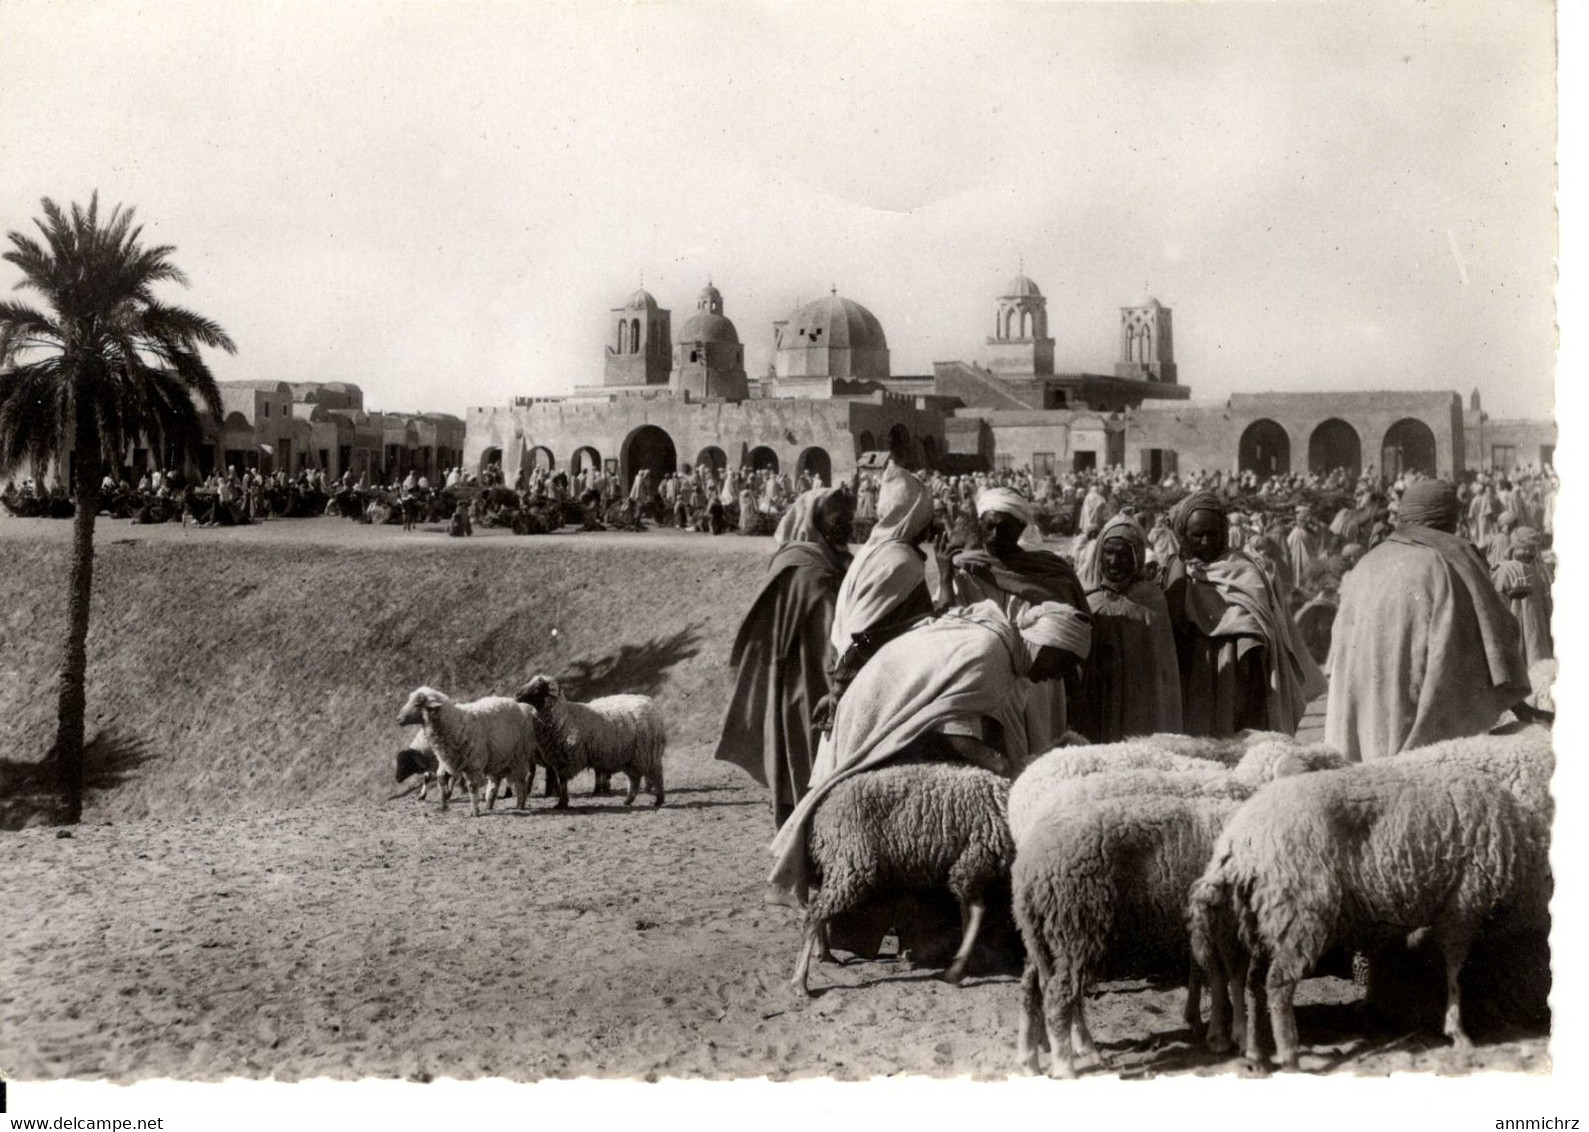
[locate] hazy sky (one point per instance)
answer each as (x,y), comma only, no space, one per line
(442,201)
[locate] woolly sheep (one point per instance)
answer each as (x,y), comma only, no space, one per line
(607,735)
(1519,755)
(483,741)
(1318,860)
(1103,865)
(907,825)
(1253,758)
(1105,888)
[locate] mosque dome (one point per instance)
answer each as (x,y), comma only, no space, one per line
(704,326)
(1021,287)
(710,299)
(837,323)
(1149,301)
(641,300)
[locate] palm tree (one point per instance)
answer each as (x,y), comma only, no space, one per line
(104,365)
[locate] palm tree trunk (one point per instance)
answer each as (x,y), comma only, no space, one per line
(73,703)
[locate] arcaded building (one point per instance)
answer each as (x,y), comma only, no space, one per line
(665,405)
(670,400)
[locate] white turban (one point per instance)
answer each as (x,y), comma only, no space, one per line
(1059,626)
(1004,500)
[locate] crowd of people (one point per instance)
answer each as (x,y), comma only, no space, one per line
(956,633)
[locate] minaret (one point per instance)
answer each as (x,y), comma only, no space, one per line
(1147,343)
(639,343)
(1019,344)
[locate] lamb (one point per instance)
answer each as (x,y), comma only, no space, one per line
(1103,864)
(610,734)
(1332,858)
(484,741)
(907,825)
(418,758)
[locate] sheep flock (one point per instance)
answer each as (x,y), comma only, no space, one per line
(1239,865)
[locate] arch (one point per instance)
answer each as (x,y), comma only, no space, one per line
(1409,447)
(623,335)
(634,336)
(488,457)
(584,459)
(712,457)
(651,448)
(865,443)
(1335,444)
(1009,321)
(762,458)
(899,445)
(1265,449)
(817,462)
(1026,324)
(540,458)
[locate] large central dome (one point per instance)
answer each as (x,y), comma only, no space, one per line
(832,337)
(704,326)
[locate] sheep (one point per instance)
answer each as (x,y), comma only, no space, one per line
(610,734)
(907,825)
(1333,858)
(1037,784)
(1519,755)
(1103,865)
(487,740)
(1106,886)
(418,758)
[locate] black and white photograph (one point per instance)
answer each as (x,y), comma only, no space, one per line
(710,561)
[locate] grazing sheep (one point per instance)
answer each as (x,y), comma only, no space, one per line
(1344,857)
(907,825)
(418,758)
(485,741)
(1104,889)
(607,735)
(1103,865)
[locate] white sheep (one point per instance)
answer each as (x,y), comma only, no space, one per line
(1354,857)
(907,825)
(481,742)
(607,735)
(1102,867)
(1031,795)
(1519,755)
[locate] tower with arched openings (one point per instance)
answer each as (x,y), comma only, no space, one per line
(639,343)
(1020,343)
(1147,343)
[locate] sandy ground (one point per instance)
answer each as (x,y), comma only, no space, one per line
(366,934)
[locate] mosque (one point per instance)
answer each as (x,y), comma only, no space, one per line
(669,401)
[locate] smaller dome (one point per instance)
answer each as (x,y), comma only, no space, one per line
(641,300)
(703,326)
(1021,287)
(710,298)
(1150,301)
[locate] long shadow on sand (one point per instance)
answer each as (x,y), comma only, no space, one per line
(28,789)
(638,669)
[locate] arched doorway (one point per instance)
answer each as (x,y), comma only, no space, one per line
(583,460)
(712,458)
(488,457)
(865,443)
(650,448)
(1409,447)
(1265,449)
(540,458)
(763,459)
(816,462)
(899,445)
(1334,444)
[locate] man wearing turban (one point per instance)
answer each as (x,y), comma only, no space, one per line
(1016,578)
(780,654)
(952,688)
(1132,684)
(1424,649)
(1242,662)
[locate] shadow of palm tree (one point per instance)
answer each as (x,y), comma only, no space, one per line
(636,669)
(28,793)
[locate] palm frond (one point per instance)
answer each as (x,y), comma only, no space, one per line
(33,414)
